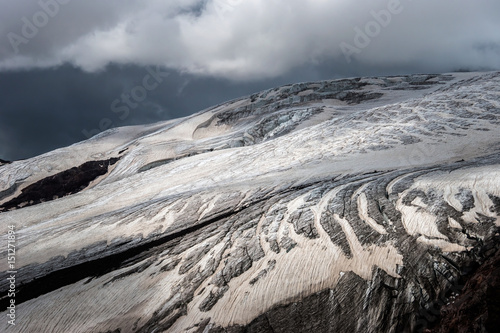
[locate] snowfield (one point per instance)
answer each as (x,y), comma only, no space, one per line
(348,205)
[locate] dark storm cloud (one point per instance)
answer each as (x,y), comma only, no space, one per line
(71,68)
(44,109)
(243,39)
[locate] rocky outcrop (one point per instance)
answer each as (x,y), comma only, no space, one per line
(59,185)
(476,306)
(357,205)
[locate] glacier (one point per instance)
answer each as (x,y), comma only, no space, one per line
(350,205)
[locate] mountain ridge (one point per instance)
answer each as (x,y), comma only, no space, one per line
(348,205)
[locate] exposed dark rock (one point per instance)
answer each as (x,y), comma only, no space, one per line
(59,185)
(158,163)
(303,223)
(8,192)
(496,204)
(476,307)
(208,303)
(466,199)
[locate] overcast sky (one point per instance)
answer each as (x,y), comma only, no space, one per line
(71,68)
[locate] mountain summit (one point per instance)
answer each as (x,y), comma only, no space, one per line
(353,205)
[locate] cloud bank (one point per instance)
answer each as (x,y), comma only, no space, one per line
(250,39)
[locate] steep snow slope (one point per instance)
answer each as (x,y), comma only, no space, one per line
(348,205)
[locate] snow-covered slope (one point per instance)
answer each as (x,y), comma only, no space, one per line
(348,205)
